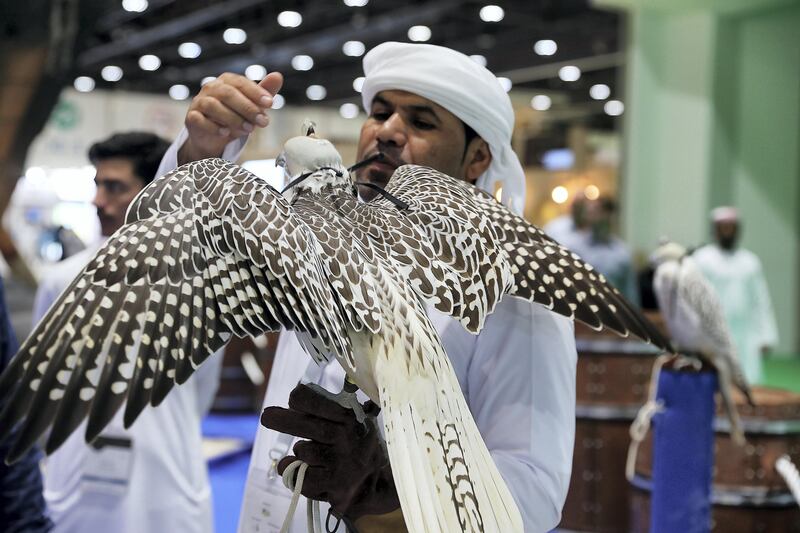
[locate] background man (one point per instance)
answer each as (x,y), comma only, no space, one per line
(433,106)
(152,477)
(737,276)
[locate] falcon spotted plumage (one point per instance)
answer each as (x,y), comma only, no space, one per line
(696,323)
(209,251)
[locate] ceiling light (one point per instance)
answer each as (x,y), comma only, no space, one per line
(290,19)
(505,83)
(358,83)
(302,62)
(134,6)
(592,192)
(355,3)
(179,92)
(316,92)
(479,59)
(353,48)
(83,84)
(189,50)
(419,33)
(111,73)
(541,102)
(545,47)
(207,79)
(234,36)
(149,62)
(614,108)
(255,72)
(348,110)
(599,91)
(492,13)
(569,73)
(278,101)
(560,194)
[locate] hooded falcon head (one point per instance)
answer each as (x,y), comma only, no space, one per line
(314,160)
(667,251)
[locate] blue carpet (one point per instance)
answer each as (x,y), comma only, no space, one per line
(228,473)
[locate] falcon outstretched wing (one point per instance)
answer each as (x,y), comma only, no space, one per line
(491,251)
(208,250)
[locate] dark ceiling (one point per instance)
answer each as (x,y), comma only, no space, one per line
(585,37)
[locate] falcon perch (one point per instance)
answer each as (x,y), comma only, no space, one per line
(209,251)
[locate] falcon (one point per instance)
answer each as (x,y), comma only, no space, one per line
(209,251)
(696,322)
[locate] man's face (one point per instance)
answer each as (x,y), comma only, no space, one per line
(408,128)
(117,186)
(727,234)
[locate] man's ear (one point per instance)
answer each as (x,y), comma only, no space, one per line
(477,159)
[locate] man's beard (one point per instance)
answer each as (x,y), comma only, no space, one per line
(727,242)
(108,224)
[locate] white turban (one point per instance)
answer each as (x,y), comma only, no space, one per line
(464,88)
(725,214)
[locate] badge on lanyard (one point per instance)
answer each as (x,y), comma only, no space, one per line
(266,502)
(108,465)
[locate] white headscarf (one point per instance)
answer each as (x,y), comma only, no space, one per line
(464,88)
(724,214)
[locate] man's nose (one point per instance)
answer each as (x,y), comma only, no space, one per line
(99,197)
(393,131)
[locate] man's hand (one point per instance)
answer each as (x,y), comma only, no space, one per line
(227,108)
(347,465)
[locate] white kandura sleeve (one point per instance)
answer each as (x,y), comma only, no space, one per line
(521,391)
(170,160)
(206,381)
(46,294)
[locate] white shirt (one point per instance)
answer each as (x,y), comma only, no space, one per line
(739,281)
(518,376)
(160,484)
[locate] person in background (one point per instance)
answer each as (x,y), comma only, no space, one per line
(152,477)
(571,227)
(22,508)
(598,246)
(737,276)
(433,106)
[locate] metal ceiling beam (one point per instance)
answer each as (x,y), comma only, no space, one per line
(550,70)
(162,32)
(320,43)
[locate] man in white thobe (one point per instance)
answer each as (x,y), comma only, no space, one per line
(152,477)
(737,276)
(433,106)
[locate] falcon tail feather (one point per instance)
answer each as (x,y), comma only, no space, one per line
(445,476)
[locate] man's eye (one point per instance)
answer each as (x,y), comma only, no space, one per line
(422,125)
(380,115)
(114,188)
